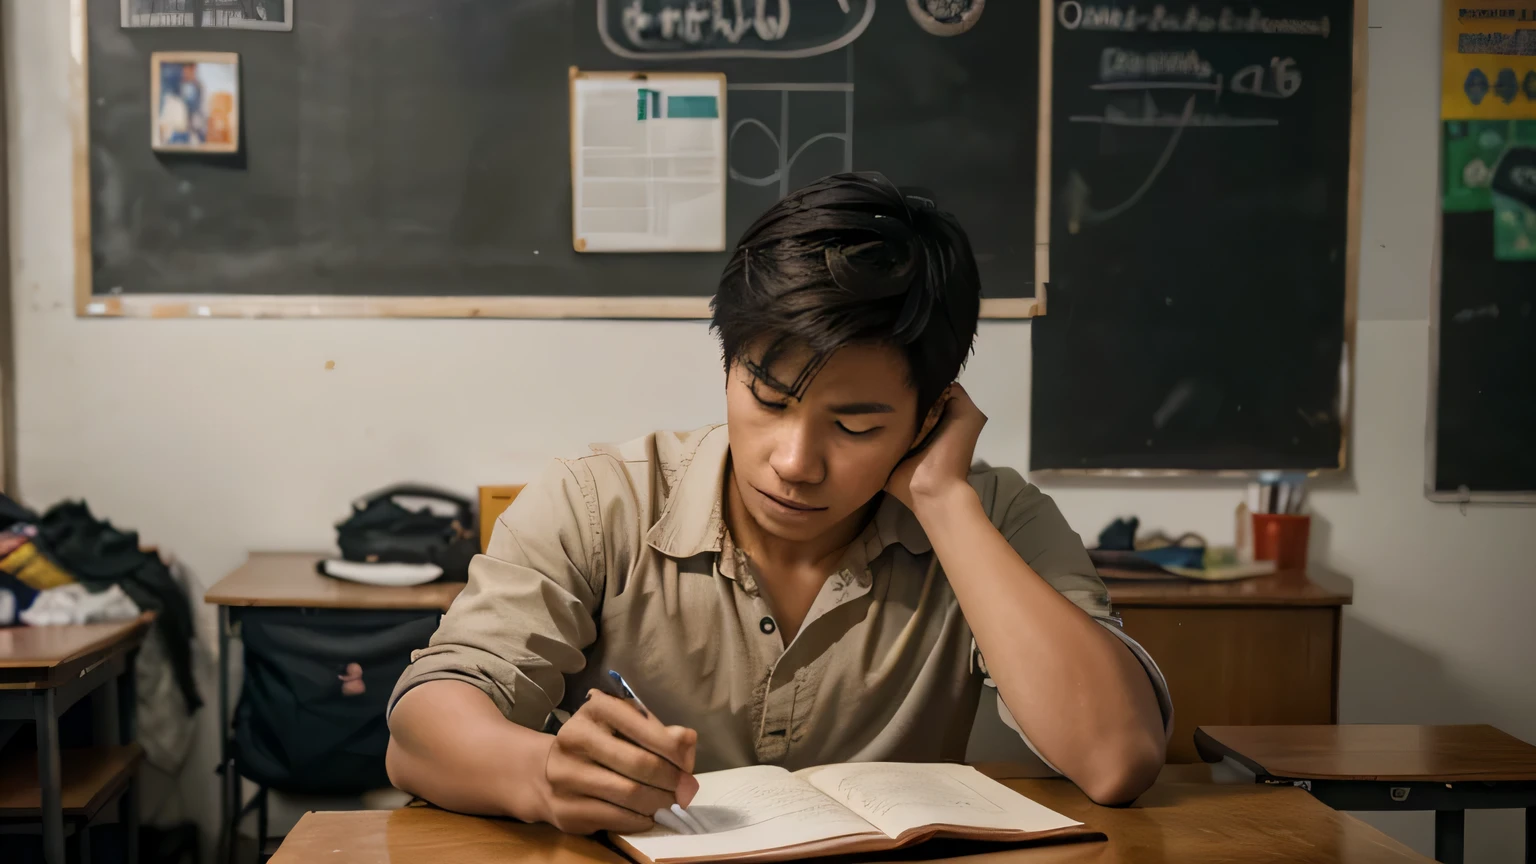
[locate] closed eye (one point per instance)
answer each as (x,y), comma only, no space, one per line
(859,432)
(776,406)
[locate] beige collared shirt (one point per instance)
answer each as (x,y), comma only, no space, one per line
(621,560)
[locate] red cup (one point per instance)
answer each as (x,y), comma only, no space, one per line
(1281,538)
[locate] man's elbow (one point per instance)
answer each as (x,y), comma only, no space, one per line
(1125,772)
(396,762)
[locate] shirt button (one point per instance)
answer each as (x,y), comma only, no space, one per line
(766,625)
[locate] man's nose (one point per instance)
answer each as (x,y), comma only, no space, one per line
(796,457)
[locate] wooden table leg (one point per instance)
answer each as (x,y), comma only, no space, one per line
(227,806)
(49,776)
(1449,829)
(128,728)
(1530,835)
(130,811)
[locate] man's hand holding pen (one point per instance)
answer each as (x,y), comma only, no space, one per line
(613,765)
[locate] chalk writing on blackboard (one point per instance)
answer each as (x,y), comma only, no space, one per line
(1169,18)
(781,141)
(782,29)
(1079,212)
(1281,82)
(1122,70)
(1133,82)
(1149,113)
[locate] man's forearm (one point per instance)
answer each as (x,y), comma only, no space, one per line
(450,745)
(1078,692)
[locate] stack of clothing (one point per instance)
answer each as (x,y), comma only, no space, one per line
(68,567)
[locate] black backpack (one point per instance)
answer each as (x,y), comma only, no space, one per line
(380,530)
(311,712)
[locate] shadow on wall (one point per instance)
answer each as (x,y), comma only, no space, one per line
(1319,537)
(1388,680)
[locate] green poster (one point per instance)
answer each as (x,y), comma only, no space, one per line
(1490,167)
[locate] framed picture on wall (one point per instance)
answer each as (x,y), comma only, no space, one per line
(195,102)
(229,14)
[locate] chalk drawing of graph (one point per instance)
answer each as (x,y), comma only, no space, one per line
(777,128)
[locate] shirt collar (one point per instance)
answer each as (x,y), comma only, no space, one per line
(692,520)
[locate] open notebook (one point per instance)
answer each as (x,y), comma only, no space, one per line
(764,813)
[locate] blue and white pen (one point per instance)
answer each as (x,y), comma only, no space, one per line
(677,818)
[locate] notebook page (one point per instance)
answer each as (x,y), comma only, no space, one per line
(749,810)
(896,797)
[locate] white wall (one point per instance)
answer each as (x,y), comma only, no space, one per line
(217,437)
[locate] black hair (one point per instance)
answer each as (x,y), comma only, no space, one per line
(848,260)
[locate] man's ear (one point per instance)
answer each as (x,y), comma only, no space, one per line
(935,414)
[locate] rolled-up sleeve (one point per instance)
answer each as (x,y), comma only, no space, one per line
(525,617)
(1035,528)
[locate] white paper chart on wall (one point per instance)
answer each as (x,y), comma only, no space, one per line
(647,162)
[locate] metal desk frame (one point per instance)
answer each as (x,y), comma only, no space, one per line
(113,676)
(1449,801)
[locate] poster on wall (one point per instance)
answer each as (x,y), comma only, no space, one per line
(196,102)
(232,14)
(648,163)
(1483,385)
(1488,112)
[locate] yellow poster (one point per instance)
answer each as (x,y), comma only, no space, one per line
(1488,60)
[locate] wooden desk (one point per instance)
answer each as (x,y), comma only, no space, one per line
(38,658)
(289,579)
(1447,769)
(1183,823)
(45,670)
(1254,651)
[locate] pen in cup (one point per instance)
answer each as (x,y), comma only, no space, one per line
(677,818)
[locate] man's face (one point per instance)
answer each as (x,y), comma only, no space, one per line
(804,466)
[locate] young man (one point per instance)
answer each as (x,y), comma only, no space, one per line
(814,582)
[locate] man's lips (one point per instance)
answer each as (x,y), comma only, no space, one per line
(786,502)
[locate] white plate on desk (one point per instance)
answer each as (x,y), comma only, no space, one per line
(392,575)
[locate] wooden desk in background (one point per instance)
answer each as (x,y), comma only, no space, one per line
(1184,823)
(290,580)
(1447,769)
(1260,651)
(44,671)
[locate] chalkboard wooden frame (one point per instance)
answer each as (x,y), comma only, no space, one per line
(89,304)
(1358,85)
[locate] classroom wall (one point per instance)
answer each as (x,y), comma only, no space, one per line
(217,437)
